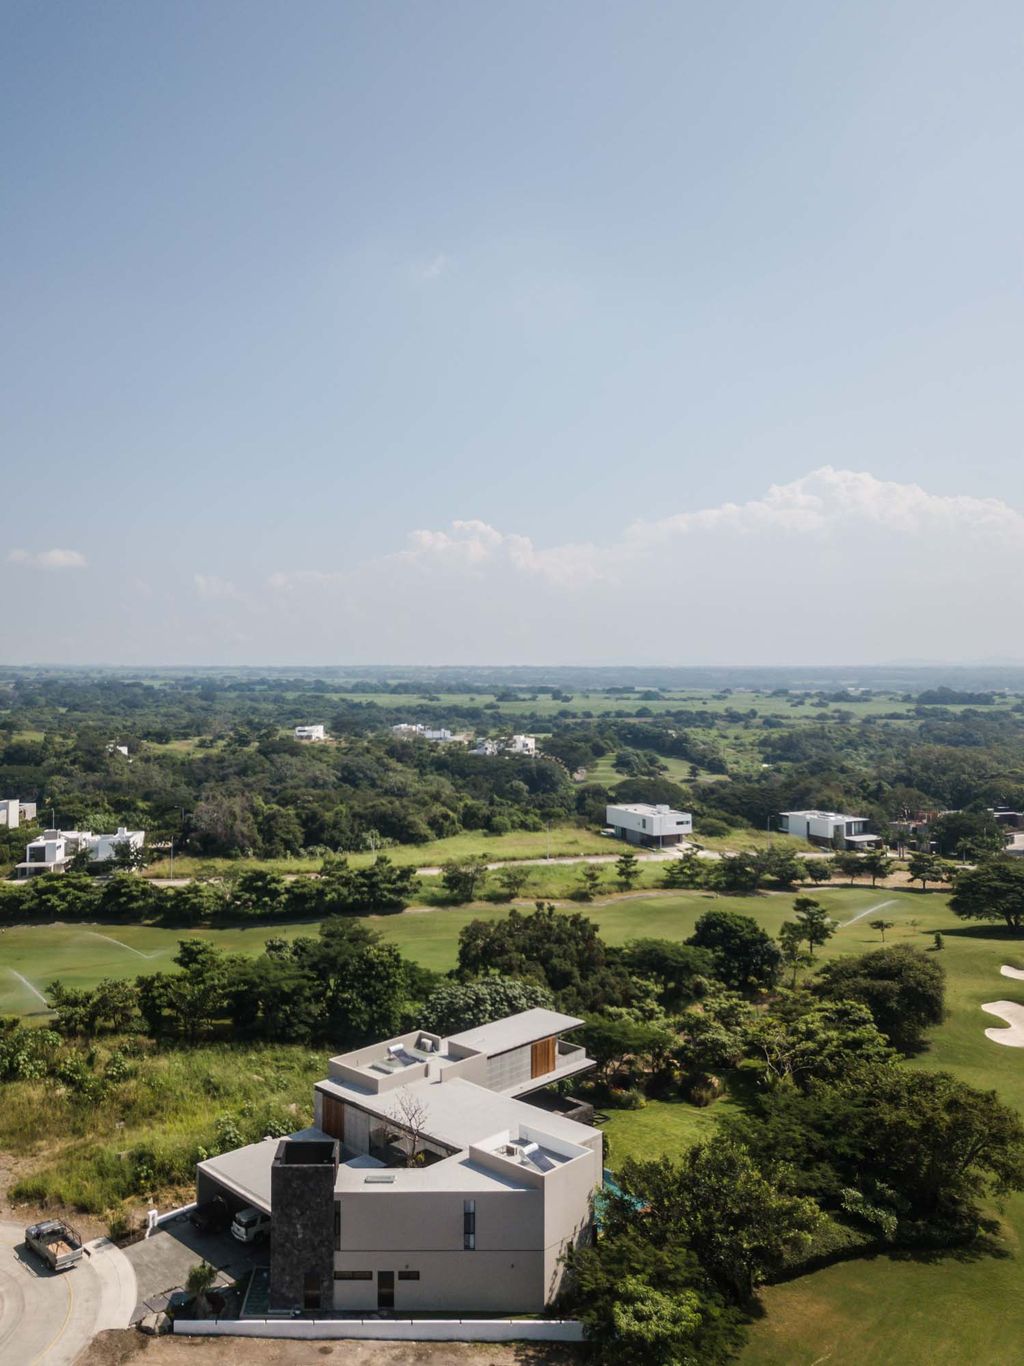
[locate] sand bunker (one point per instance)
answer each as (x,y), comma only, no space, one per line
(1007,971)
(1013,1014)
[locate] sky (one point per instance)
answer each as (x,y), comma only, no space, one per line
(665,333)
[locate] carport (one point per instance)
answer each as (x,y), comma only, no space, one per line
(242,1176)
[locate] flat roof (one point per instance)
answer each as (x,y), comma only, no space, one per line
(515,1031)
(646,809)
(458,1112)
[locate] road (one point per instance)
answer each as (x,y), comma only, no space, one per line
(47,1319)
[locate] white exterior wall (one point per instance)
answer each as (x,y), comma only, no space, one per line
(384,1229)
(652,822)
(10,813)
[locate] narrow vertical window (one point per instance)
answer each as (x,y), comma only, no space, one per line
(469,1225)
(337,1225)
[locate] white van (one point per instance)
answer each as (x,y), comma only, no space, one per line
(250,1224)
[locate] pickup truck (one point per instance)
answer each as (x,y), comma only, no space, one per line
(55,1242)
(212,1216)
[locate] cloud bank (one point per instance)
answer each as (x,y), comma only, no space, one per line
(834,566)
(48,559)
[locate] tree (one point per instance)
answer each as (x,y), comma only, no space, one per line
(627,870)
(823,1042)
(128,857)
(612,1038)
(876,863)
(679,971)
(457,1006)
(814,921)
(924,868)
(590,883)
(685,871)
(881,926)
(199,1283)
(409,1114)
(735,1215)
(919,1147)
(647,1304)
(819,869)
(563,951)
(994,890)
(848,863)
(792,937)
(903,989)
(745,957)
(968,834)
(464,879)
(739,874)
(512,880)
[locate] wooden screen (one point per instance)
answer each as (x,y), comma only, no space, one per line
(334,1117)
(542,1057)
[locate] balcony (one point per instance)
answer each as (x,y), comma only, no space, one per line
(570,1059)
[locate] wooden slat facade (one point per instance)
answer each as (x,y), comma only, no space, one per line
(542,1057)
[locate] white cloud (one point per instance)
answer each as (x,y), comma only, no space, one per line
(434,268)
(211,587)
(48,559)
(834,566)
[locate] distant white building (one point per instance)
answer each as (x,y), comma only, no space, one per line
(13,811)
(52,851)
(831,828)
(409,729)
(511,744)
(310,733)
(641,823)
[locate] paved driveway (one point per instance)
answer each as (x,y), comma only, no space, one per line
(162,1262)
(47,1318)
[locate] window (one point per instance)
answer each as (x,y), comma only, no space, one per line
(353,1275)
(469,1225)
(408,1275)
(337,1224)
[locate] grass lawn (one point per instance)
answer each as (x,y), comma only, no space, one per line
(564,841)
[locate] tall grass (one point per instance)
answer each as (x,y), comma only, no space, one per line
(144,1136)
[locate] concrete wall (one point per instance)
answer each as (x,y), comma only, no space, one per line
(393,1330)
(384,1229)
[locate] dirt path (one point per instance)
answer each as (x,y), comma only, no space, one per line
(130,1346)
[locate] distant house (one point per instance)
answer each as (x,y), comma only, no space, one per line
(410,730)
(53,850)
(641,823)
(13,811)
(514,744)
(310,733)
(830,828)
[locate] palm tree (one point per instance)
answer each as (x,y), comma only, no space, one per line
(200,1280)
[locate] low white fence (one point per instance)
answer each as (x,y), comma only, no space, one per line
(403,1330)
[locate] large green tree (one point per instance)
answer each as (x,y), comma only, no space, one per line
(994,890)
(902,987)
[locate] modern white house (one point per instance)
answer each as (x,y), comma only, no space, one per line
(412,730)
(51,851)
(641,823)
(427,1182)
(13,811)
(830,828)
(513,744)
(310,733)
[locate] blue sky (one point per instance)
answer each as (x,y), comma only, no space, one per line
(284,285)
